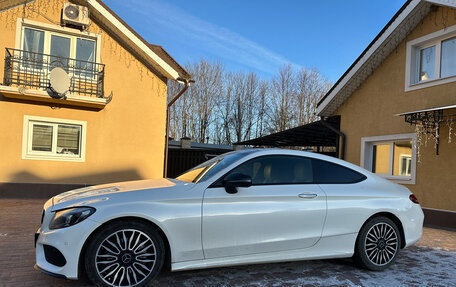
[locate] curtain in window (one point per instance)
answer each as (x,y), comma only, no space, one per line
(68,139)
(448,62)
(60,48)
(85,57)
(42,138)
(33,42)
(427,63)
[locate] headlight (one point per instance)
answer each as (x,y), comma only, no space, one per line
(68,217)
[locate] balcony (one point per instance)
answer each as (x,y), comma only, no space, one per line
(27,73)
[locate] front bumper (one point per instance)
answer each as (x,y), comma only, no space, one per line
(68,241)
(49,273)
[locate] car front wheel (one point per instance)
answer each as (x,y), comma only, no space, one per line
(124,253)
(378,244)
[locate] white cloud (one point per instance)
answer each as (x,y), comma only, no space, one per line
(204,35)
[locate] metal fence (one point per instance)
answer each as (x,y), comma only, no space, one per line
(181,160)
(31,70)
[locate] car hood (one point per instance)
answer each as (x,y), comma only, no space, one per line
(87,195)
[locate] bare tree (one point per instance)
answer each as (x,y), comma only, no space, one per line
(225,108)
(245,88)
(262,108)
(179,113)
(194,113)
(250,104)
(310,86)
(238,107)
(231,107)
(283,92)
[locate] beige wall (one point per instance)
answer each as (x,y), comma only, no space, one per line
(125,140)
(370,112)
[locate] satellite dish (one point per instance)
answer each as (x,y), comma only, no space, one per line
(59,81)
(72,12)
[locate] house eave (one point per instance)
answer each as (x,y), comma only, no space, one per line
(447,3)
(407,18)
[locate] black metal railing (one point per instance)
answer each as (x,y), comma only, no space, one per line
(31,70)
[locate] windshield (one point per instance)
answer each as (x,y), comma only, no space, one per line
(207,169)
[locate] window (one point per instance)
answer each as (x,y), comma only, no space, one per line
(448,58)
(283,169)
(85,53)
(330,173)
(277,169)
(41,47)
(405,163)
(392,157)
(53,139)
(60,51)
(427,64)
(33,43)
(62,47)
(431,60)
(380,158)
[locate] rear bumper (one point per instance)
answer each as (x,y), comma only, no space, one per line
(413,225)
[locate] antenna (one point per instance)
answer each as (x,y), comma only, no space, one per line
(59,82)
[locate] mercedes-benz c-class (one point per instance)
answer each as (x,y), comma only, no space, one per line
(249,206)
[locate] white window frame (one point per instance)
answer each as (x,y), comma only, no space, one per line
(28,153)
(412,64)
(401,165)
(367,149)
(49,30)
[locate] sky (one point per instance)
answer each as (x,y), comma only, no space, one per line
(261,35)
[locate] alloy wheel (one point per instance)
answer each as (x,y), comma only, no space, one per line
(125,258)
(381,244)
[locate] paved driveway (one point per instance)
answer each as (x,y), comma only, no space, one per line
(432,262)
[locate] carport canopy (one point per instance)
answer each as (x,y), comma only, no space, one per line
(315,134)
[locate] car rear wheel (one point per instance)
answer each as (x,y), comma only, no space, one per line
(378,244)
(124,253)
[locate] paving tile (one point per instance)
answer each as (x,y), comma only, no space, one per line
(431,262)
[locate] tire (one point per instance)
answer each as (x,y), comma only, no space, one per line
(124,253)
(378,244)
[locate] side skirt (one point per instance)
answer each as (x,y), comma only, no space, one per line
(340,246)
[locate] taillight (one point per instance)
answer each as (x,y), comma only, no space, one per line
(414,199)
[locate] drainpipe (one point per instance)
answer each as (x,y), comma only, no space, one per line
(168,108)
(341,135)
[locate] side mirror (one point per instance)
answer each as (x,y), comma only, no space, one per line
(236,179)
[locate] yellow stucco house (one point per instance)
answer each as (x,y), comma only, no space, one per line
(82,98)
(397,106)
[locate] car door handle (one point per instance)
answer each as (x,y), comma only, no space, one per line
(308,195)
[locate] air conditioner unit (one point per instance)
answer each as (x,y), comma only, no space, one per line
(75,15)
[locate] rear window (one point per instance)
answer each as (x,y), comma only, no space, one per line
(330,173)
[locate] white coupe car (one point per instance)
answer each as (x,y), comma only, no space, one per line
(250,206)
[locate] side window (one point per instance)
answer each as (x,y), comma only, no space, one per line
(326,173)
(277,169)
